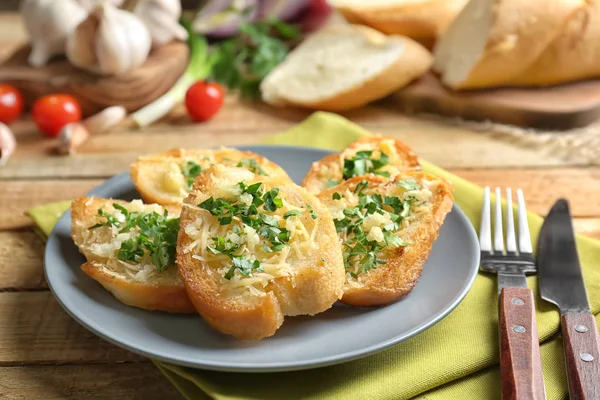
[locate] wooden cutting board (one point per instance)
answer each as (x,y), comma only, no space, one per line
(132,90)
(561,107)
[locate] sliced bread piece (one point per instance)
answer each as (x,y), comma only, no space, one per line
(253,249)
(166,178)
(370,154)
(386,228)
(494,42)
(107,232)
(421,20)
(344,66)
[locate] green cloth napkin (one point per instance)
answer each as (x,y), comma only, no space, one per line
(455,359)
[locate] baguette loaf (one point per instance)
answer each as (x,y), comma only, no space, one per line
(386,228)
(166,178)
(253,249)
(379,154)
(520,42)
(136,283)
(421,20)
(343,67)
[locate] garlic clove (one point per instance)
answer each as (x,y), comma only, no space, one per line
(71,137)
(49,22)
(161,17)
(105,119)
(81,44)
(8,143)
(89,5)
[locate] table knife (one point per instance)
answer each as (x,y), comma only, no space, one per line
(561,283)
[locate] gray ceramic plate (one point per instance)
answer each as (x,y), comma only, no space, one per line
(339,334)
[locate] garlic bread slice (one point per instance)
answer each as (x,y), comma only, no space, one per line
(166,178)
(377,154)
(130,250)
(253,249)
(386,228)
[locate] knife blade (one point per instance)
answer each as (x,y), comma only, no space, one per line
(561,283)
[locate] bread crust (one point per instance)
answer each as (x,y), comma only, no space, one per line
(148,172)
(331,166)
(423,22)
(394,280)
(316,286)
(166,294)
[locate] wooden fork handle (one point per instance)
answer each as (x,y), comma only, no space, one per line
(520,360)
(582,355)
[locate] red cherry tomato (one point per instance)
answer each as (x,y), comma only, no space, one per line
(52,112)
(11,103)
(203,100)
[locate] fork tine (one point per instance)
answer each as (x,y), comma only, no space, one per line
(498,239)
(524,238)
(511,243)
(485,231)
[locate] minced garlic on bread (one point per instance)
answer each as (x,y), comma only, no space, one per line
(253,249)
(129,247)
(377,154)
(386,228)
(166,178)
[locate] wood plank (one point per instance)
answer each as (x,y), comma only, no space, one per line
(17,197)
(542,187)
(36,330)
(120,381)
(21,261)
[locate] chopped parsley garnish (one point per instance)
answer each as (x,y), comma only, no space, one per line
(267,226)
(358,249)
(363,163)
(252,165)
(156,235)
(190,170)
(313,213)
(292,213)
(409,184)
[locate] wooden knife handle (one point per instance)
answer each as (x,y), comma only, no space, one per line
(520,360)
(582,355)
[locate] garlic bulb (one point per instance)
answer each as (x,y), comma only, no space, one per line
(109,42)
(161,17)
(89,5)
(48,23)
(8,143)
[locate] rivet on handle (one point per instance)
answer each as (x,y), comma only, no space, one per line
(581,328)
(519,328)
(517,301)
(587,357)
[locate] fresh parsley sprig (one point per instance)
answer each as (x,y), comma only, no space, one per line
(190,170)
(252,165)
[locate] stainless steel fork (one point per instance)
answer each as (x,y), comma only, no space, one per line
(520,361)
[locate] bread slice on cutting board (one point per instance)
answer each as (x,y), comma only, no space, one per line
(141,284)
(344,66)
(520,42)
(386,228)
(253,249)
(378,154)
(421,20)
(166,178)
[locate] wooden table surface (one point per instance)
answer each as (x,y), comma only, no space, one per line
(44,354)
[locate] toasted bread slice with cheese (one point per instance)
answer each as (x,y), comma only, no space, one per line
(253,249)
(369,154)
(107,243)
(386,227)
(166,178)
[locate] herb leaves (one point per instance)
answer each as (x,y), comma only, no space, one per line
(190,170)
(361,248)
(363,163)
(156,235)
